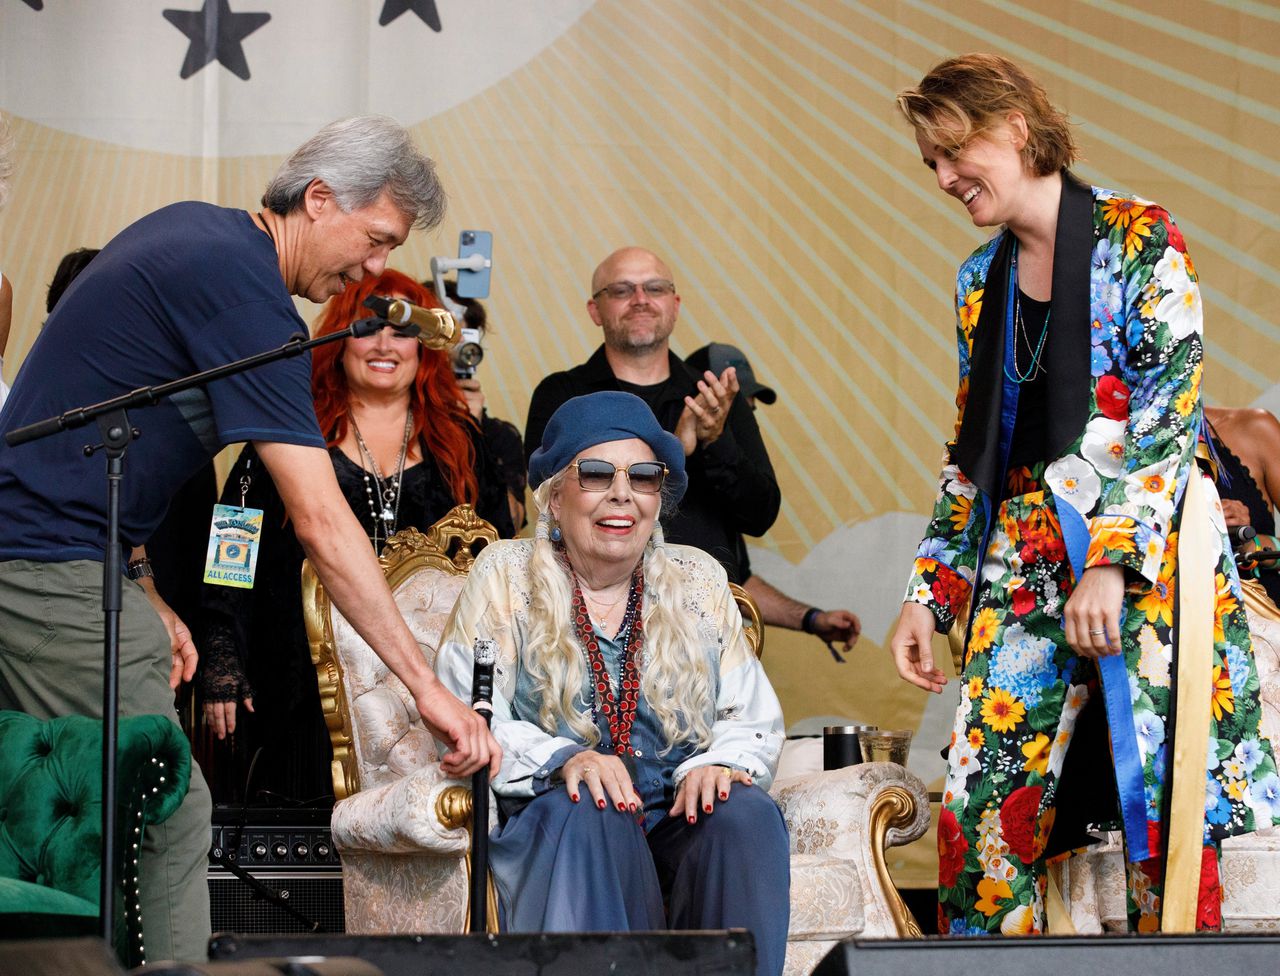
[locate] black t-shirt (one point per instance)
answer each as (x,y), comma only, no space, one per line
(184,289)
(1031,428)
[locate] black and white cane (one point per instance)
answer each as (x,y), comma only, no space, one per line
(486,652)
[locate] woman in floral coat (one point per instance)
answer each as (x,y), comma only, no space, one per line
(1072,475)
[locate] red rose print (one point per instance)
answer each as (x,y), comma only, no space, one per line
(1024,601)
(951,848)
(1113,398)
(1209,903)
(1018,816)
(1155,844)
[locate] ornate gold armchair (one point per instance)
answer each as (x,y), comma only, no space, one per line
(399,824)
(840,823)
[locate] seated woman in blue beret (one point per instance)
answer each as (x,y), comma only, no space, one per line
(639,732)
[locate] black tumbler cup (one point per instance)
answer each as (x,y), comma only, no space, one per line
(840,746)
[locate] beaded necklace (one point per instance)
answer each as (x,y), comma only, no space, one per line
(1020,331)
(386,508)
(620,708)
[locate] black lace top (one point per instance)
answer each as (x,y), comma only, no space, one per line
(1235,481)
(253,642)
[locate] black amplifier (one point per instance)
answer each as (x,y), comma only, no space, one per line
(273,838)
(296,875)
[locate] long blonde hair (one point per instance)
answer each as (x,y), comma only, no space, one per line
(676,685)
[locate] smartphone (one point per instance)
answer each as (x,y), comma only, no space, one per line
(474,284)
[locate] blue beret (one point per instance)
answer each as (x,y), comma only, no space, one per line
(598,418)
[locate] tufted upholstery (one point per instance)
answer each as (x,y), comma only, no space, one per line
(51,815)
(400,823)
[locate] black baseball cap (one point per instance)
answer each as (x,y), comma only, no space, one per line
(718,355)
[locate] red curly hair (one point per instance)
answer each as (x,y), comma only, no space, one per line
(434,391)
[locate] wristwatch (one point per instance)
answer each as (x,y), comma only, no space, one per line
(139,568)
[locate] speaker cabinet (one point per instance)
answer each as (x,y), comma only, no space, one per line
(287,850)
(1085,955)
(722,953)
(316,894)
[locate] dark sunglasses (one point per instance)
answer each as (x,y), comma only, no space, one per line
(645,477)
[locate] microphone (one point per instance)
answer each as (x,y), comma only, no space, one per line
(1240,535)
(486,653)
(433,327)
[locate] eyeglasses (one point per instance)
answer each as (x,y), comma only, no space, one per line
(653,288)
(645,477)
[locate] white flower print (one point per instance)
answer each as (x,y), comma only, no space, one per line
(1171,271)
(1156,660)
(957,484)
(1103,446)
(1183,312)
(1152,487)
(1074,480)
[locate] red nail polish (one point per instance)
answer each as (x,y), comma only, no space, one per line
(600,804)
(573,797)
(707,808)
(632,808)
(692,819)
(724,796)
(622,806)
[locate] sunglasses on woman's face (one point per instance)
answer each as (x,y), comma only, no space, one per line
(645,477)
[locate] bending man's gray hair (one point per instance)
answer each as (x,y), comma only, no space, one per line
(359,158)
(6,160)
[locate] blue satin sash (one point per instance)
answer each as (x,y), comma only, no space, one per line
(1126,757)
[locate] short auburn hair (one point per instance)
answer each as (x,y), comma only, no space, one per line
(965,97)
(440,416)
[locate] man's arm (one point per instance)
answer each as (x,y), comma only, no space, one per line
(336,545)
(737,467)
(780,610)
(6,312)
(1263,439)
(184,648)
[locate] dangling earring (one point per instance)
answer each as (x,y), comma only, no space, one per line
(556,534)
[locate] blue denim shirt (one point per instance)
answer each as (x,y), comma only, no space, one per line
(652,771)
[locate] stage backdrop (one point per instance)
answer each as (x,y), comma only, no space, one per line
(752,144)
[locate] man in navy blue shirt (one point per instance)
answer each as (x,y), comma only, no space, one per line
(189,287)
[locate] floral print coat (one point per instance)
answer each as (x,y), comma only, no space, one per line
(1123,424)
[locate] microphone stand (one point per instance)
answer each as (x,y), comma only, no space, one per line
(113,423)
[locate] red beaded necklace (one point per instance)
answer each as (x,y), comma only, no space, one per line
(620,713)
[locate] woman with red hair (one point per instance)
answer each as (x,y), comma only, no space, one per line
(405,451)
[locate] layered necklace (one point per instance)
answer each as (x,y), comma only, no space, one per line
(618,707)
(1021,338)
(384,503)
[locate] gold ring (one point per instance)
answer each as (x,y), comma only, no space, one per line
(726,771)
(588,769)
(1095,633)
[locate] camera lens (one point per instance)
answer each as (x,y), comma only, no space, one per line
(468,354)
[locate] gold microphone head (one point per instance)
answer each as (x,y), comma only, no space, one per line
(447,333)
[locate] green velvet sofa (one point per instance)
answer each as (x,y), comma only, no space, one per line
(51,821)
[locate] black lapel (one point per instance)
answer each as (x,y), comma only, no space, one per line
(977,450)
(1068,352)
